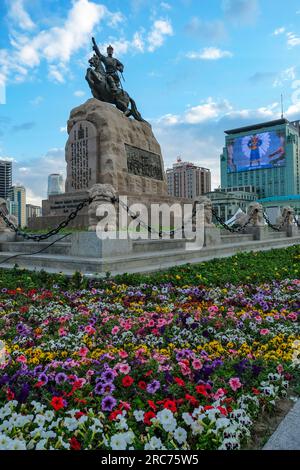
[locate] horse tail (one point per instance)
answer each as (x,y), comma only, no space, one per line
(134,111)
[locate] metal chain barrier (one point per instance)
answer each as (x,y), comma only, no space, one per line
(277,228)
(160,233)
(62,225)
(233,229)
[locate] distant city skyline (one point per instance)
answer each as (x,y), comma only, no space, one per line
(194,69)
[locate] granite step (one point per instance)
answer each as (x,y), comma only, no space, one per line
(61,248)
(142,246)
(234,238)
(138,262)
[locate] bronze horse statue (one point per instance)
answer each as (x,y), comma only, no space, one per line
(96,78)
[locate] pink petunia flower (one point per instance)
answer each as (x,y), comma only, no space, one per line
(197,364)
(264,331)
(235,383)
(115,330)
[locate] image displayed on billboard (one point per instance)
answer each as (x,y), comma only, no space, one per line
(255,151)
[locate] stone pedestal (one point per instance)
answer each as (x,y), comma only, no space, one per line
(87,244)
(292,231)
(259,232)
(212,236)
(7,236)
(105,147)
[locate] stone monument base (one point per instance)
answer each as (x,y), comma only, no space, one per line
(59,207)
(259,232)
(292,231)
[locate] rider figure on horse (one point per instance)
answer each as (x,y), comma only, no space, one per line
(112,67)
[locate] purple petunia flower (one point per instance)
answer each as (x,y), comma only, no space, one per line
(60,378)
(153,386)
(108,403)
(98,388)
(43,378)
(37,370)
(108,375)
(108,387)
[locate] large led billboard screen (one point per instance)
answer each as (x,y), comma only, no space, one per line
(255,151)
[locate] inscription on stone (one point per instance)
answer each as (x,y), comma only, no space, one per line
(80,159)
(143,163)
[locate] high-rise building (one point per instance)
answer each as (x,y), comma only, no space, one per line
(55,184)
(33,211)
(17,204)
(5,177)
(265,156)
(188,180)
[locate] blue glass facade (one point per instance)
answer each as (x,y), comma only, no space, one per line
(279,180)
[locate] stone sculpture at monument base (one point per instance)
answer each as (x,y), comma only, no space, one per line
(106,147)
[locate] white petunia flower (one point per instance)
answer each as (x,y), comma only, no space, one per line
(139,415)
(118,442)
(154,444)
(180,435)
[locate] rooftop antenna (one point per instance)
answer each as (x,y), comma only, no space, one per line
(281,96)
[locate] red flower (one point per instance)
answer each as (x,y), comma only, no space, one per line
(222,410)
(148,373)
(179,401)
(208,407)
(148,416)
(255,391)
(142,385)
(170,405)
(74,444)
(193,401)
(179,381)
(127,381)
(39,384)
(57,403)
(24,309)
(113,415)
(201,389)
(78,414)
(152,405)
(78,400)
(10,394)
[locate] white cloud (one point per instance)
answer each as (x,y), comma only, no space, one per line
(79,93)
(55,74)
(63,129)
(114,19)
(33,174)
(19,15)
(55,45)
(138,42)
(59,43)
(214,110)
(292,39)
(209,53)
(205,111)
(165,6)
(288,74)
(36,101)
(158,33)
(278,31)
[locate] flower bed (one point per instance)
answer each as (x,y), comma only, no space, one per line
(144,367)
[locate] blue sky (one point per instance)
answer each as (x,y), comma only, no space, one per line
(194,67)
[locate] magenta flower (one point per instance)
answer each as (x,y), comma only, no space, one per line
(235,383)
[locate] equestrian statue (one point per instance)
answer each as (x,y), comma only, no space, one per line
(105,84)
